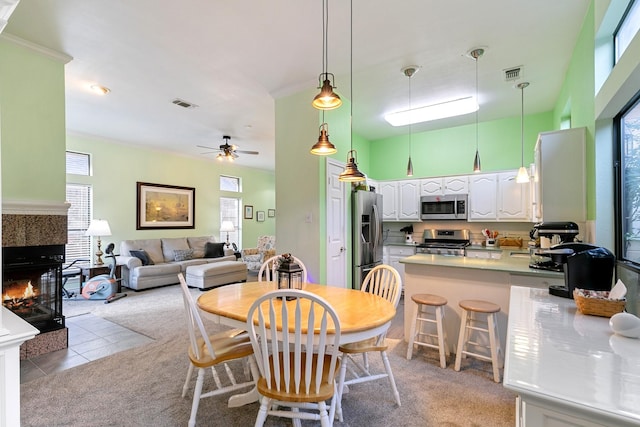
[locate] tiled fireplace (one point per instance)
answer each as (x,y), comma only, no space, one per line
(34,235)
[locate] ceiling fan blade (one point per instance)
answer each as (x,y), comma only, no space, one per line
(210,152)
(208,148)
(247,152)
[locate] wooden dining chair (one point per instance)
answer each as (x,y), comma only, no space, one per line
(298,369)
(384,281)
(208,351)
(268,269)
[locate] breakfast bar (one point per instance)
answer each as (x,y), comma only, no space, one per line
(458,278)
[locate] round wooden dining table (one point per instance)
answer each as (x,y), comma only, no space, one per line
(362,315)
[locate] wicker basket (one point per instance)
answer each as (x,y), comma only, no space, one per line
(598,306)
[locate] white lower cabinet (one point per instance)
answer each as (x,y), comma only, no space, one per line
(395,254)
(535,414)
(483,254)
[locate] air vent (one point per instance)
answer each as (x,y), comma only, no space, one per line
(513,73)
(182,103)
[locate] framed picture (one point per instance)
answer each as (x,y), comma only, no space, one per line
(248,212)
(162,206)
(260,216)
(271,213)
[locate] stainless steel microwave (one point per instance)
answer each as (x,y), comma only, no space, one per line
(452,206)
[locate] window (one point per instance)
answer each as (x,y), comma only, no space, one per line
(230,208)
(627,29)
(628,183)
(79,215)
(78,219)
(78,163)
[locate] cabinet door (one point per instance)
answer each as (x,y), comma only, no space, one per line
(409,200)
(389,191)
(482,197)
(456,184)
(431,187)
(513,198)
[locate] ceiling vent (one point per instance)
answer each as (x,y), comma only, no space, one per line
(182,103)
(513,73)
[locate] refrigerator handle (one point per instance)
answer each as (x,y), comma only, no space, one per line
(377,230)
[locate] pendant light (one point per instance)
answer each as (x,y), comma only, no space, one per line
(476,54)
(409,72)
(523,175)
(323,147)
(351,172)
(327,99)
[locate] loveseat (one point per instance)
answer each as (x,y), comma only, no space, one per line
(149,263)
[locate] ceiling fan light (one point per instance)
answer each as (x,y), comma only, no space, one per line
(523,175)
(327,99)
(351,172)
(323,147)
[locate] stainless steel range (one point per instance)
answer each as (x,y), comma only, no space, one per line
(443,242)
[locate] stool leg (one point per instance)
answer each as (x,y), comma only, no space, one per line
(441,341)
(461,340)
(412,332)
(494,346)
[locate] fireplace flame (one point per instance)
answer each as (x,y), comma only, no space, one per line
(28,293)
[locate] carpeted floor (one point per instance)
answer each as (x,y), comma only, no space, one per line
(142,386)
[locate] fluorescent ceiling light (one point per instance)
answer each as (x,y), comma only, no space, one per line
(453,108)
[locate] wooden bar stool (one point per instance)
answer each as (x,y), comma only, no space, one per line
(471,322)
(424,315)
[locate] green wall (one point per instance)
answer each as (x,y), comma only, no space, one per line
(33,124)
(451,151)
(117,167)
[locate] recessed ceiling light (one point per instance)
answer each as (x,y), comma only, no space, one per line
(100,90)
(457,107)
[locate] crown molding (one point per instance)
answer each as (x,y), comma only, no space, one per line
(45,51)
(33,207)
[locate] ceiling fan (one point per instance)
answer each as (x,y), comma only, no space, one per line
(227,151)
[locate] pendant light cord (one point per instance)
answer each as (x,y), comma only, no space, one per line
(522,126)
(477,102)
(325,37)
(351,73)
(410,107)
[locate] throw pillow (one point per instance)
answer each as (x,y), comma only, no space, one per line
(143,256)
(213,250)
(183,254)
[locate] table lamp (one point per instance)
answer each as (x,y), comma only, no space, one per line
(98,228)
(227,226)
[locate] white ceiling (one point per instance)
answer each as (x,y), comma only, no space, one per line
(232,59)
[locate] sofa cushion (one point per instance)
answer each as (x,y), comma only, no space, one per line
(214,250)
(183,254)
(170,245)
(142,255)
(197,244)
(151,246)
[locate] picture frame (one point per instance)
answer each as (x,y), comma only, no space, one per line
(248,212)
(271,213)
(260,216)
(160,206)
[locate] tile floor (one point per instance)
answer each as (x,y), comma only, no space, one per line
(90,338)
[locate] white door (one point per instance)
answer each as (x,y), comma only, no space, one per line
(336,226)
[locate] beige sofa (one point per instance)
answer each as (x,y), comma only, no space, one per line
(166,258)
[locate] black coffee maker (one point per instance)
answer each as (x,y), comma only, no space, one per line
(585,266)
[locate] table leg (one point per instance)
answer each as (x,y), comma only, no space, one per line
(238,400)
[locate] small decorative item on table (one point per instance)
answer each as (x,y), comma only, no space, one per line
(597,303)
(289,273)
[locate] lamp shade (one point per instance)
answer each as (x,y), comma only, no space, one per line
(98,227)
(227,226)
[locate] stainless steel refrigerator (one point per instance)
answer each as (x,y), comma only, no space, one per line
(367,234)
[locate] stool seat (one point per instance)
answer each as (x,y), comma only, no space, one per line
(423,316)
(479,306)
(479,321)
(429,299)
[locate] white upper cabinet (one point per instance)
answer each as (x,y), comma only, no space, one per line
(560,176)
(513,198)
(444,185)
(483,190)
(409,200)
(389,191)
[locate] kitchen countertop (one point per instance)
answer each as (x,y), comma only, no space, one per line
(507,263)
(570,360)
